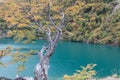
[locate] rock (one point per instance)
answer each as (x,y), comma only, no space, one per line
(110,78)
(20,78)
(28,78)
(106,78)
(3,78)
(114,75)
(24,78)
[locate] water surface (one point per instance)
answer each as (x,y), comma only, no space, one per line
(67,58)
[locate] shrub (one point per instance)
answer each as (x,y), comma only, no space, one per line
(86,73)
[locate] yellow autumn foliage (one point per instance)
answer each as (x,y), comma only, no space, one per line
(86,73)
(85,19)
(72,10)
(22,25)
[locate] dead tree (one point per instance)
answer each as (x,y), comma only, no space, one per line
(115,9)
(41,69)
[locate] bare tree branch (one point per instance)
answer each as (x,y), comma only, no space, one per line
(57,36)
(41,69)
(115,9)
(49,35)
(62,19)
(42,51)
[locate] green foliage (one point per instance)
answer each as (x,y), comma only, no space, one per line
(16,56)
(90,23)
(85,20)
(3,25)
(86,73)
(21,68)
(3,28)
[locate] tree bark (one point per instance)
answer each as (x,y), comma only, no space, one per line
(41,69)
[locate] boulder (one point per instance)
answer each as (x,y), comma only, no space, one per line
(4,78)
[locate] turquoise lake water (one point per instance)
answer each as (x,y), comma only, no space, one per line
(67,58)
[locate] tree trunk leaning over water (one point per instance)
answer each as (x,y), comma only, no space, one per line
(41,69)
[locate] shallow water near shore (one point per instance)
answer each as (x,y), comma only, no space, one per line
(67,58)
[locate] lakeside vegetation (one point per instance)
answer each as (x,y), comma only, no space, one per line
(94,22)
(90,21)
(87,72)
(85,21)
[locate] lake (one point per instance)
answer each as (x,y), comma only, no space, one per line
(68,57)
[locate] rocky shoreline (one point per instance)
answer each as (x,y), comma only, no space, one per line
(20,78)
(30,78)
(113,77)
(107,78)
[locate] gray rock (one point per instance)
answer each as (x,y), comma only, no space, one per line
(3,78)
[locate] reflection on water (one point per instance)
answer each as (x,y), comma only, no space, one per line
(67,58)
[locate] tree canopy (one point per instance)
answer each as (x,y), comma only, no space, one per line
(85,21)
(93,21)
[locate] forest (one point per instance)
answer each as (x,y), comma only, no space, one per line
(93,21)
(86,21)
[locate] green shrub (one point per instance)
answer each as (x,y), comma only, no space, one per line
(86,73)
